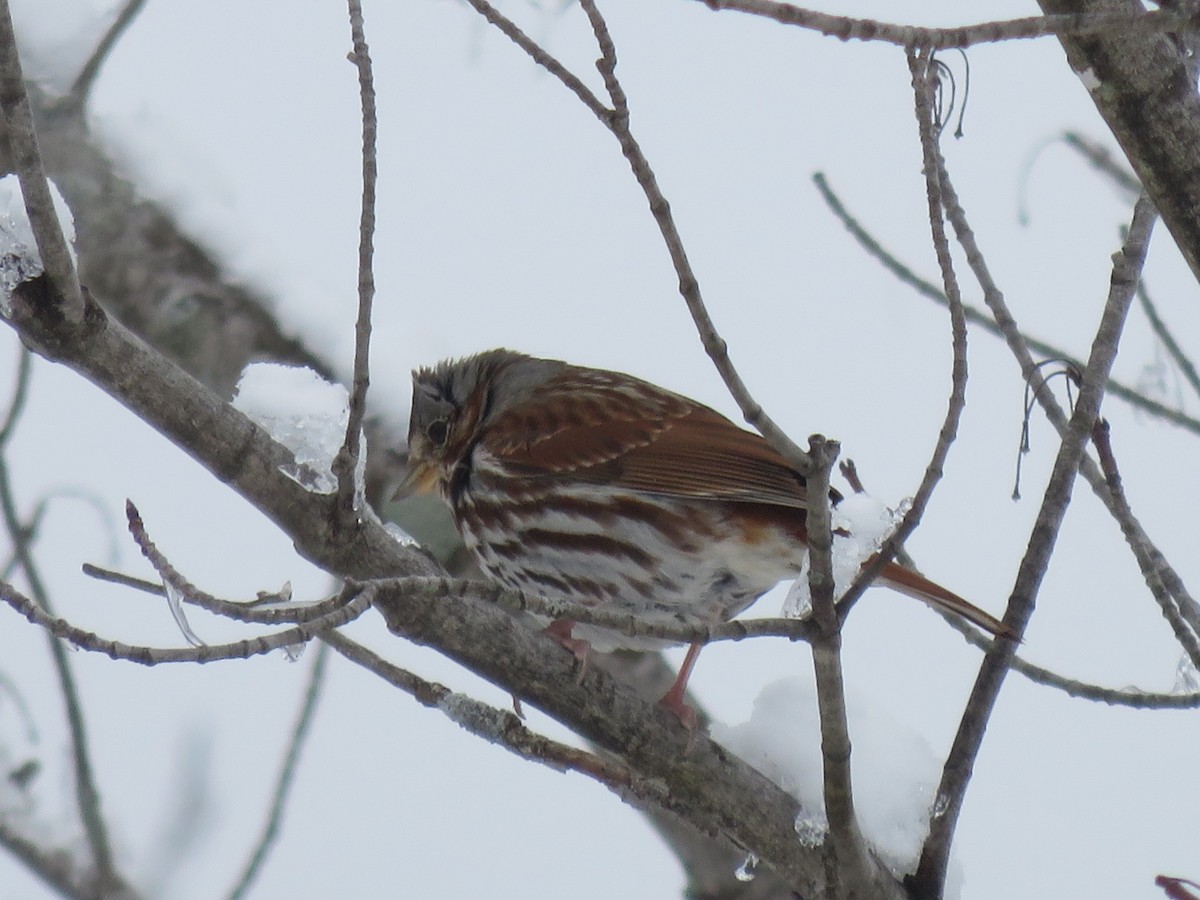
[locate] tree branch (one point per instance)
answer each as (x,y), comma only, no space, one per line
(1127,265)
(345,464)
(1147,95)
(846,28)
(23,143)
(984,320)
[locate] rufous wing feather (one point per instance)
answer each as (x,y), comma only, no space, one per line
(642,438)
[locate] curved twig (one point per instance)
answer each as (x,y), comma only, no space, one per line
(1186,367)
(81,87)
(252,611)
(617,121)
(847,28)
(86,794)
(153,656)
(1127,265)
(985,321)
(923,83)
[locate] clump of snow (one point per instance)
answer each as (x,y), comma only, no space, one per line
(305,413)
(894,770)
(811,828)
(869,523)
(19,257)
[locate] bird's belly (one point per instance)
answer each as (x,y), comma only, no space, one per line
(658,557)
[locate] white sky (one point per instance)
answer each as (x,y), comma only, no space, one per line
(508,217)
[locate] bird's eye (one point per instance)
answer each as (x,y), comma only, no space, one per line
(437,432)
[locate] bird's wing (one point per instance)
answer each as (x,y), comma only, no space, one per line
(611,429)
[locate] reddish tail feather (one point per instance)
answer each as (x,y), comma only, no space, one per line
(908,582)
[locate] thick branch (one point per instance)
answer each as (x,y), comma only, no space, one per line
(1148,98)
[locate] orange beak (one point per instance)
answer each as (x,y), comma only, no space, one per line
(422,478)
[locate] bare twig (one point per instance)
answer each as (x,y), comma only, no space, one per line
(1165,585)
(923,83)
(1126,697)
(1118,389)
(1127,265)
(1186,367)
(58,868)
(855,867)
(86,793)
(846,28)
(153,656)
(245,611)
(617,122)
(345,465)
(287,775)
(27,161)
(505,729)
(20,395)
(510,30)
(81,88)
(1104,161)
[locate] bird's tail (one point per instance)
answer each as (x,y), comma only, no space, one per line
(906,581)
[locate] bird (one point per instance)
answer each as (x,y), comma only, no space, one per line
(602,489)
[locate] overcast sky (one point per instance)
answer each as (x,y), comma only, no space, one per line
(507,217)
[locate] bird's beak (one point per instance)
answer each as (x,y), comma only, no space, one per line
(421,479)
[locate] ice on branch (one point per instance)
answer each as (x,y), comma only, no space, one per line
(175,604)
(895,772)
(868,523)
(19,257)
(305,413)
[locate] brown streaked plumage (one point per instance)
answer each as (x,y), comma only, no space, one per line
(607,490)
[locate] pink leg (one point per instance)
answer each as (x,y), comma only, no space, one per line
(560,631)
(673,698)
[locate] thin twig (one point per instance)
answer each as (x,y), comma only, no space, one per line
(1104,161)
(81,88)
(56,866)
(1186,367)
(20,395)
(153,656)
(502,727)
(1127,266)
(1165,585)
(923,83)
(244,611)
(252,611)
(27,161)
(86,793)
(617,121)
(510,30)
(346,464)
(846,28)
(985,321)
(287,775)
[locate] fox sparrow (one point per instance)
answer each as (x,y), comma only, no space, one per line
(605,490)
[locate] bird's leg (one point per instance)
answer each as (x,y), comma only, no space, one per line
(673,698)
(560,631)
